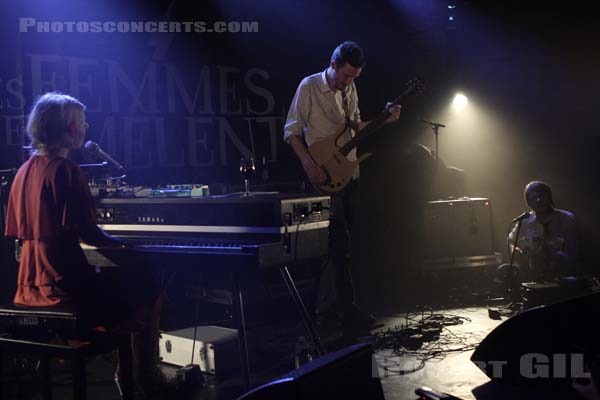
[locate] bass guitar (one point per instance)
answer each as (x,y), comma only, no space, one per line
(331,153)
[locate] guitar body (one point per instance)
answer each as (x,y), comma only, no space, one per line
(331,152)
(338,168)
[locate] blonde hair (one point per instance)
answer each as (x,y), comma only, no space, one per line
(49,120)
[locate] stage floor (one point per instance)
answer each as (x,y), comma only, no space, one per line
(453,373)
(447,367)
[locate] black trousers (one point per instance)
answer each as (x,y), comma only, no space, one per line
(343,207)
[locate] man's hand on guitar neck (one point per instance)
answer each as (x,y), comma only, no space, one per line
(394,111)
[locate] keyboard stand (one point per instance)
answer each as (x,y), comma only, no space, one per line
(238,307)
(310,328)
(120,256)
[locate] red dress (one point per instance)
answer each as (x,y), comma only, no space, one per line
(49,201)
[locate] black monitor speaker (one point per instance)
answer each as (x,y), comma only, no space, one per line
(557,341)
(344,374)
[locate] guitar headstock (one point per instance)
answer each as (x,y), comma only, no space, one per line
(415,86)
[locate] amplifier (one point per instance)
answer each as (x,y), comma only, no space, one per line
(458,228)
(216,348)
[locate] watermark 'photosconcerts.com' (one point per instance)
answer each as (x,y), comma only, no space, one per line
(32,25)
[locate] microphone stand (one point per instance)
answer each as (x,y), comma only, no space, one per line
(435,128)
(510,278)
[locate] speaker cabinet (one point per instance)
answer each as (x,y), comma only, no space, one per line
(344,374)
(458,228)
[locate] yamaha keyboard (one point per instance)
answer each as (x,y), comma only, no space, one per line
(233,231)
(222,234)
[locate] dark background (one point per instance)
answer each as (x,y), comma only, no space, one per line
(529,71)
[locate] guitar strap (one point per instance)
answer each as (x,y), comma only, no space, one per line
(346,106)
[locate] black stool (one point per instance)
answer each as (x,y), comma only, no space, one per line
(29,330)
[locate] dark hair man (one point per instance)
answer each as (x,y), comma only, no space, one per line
(547,242)
(323,103)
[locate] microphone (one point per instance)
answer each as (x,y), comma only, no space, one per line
(93,148)
(432,123)
(522,216)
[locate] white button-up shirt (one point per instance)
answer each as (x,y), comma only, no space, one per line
(316,111)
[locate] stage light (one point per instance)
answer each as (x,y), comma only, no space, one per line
(460,101)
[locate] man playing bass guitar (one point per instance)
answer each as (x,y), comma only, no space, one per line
(326,105)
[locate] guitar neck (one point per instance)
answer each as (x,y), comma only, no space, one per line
(374,125)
